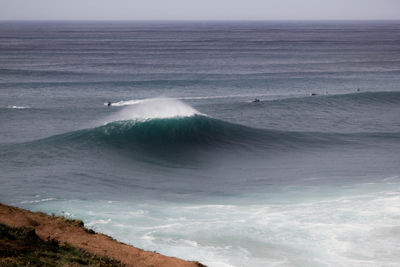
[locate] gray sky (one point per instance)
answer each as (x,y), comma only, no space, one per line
(198,10)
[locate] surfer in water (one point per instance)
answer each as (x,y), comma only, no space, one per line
(108,103)
(256,100)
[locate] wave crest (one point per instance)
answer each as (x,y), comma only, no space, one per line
(154,108)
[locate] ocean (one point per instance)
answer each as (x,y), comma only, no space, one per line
(184,162)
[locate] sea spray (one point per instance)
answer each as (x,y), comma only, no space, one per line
(154,108)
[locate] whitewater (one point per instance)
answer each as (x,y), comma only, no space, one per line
(183,162)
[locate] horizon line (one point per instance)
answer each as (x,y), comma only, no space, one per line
(194,20)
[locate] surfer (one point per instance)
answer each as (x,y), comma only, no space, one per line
(313,94)
(256,100)
(108,103)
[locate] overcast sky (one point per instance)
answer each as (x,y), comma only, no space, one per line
(198,9)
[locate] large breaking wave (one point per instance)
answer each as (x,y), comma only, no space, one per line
(161,123)
(190,132)
(167,126)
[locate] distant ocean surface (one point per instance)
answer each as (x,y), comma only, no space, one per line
(183,162)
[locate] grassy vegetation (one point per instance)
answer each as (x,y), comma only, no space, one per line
(22,247)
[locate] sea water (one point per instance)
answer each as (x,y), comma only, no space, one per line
(183,162)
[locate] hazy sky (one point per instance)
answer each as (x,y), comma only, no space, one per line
(198,9)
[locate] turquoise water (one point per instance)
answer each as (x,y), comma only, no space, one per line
(183,162)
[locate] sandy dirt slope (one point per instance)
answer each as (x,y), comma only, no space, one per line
(72,232)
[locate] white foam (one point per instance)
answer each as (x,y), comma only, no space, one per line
(37,200)
(138,212)
(96,222)
(357,228)
(270,96)
(154,108)
(127,103)
(392,179)
(162,226)
(17,107)
(138,101)
(222,96)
